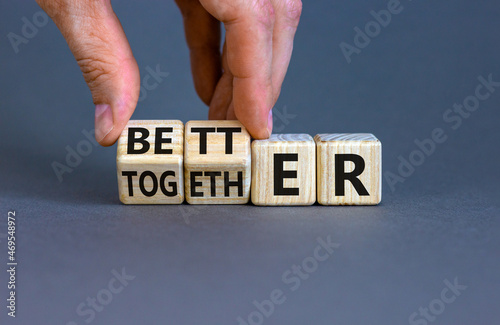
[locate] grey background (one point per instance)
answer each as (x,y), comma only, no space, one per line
(206,264)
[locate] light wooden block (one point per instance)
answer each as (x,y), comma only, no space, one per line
(149,162)
(349,169)
(217,162)
(284,170)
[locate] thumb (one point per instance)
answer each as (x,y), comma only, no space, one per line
(96,39)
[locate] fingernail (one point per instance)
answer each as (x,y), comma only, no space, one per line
(270,123)
(103,121)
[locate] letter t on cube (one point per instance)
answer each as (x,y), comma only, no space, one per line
(284,170)
(349,169)
(217,162)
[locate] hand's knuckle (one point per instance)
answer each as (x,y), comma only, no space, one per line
(263,11)
(95,71)
(293,11)
(52,7)
(71,8)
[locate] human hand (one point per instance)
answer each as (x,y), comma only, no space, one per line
(242,83)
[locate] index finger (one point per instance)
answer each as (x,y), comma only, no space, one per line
(249,40)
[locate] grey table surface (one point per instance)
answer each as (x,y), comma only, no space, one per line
(216,264)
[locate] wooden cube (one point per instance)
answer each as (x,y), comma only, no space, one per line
(217,162)
(284,170)
(349,169)
(149,162)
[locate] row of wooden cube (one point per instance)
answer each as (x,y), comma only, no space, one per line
(216,162)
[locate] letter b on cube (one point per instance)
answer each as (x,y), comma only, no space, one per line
(149,162)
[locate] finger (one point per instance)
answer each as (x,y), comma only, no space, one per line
(96,39)
(249,26)
(223,95)
(287,19)
(231,115)
(203,38)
